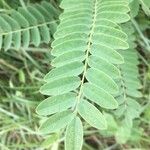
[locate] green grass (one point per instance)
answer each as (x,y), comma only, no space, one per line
(21,75)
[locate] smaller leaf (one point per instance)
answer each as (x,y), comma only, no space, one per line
(134,7)
(116,17)
(134,93)
(68,58)
(105,66)
(60,86)
(102,80)
(92,115)
(71,69)
(74,135)
(99,96)
(56,104)
(56,122)
(106,53)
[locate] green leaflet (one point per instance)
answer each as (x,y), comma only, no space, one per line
(16,39)
(101,80)
(92,115)
(114,16)
(65,15)
(35,34)
(109,40)
(71,30)
(68,57)
(80,21)
(69,46)
(18,17)
(5,27)
(106,53)
(56,104)
(74,135)
(56,122)
(72,69)
(133,109)
(70,37)
(44,30)
(110,31)
(134,7)
(105,100)
(66,4)
(50,8)
(115,8)
(106,22)
(60,86)
(105,66)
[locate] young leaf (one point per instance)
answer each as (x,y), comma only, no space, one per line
(101,80)
(56,104)
(60,86)
(71,69)
(56,122)
(92,115)
(99,96)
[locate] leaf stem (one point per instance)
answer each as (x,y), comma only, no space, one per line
(87,55)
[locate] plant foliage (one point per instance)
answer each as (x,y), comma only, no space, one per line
(34,25)
(130,86)
(87,54)
(129,83)
(97,92)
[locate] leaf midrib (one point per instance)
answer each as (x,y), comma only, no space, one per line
(87,54)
